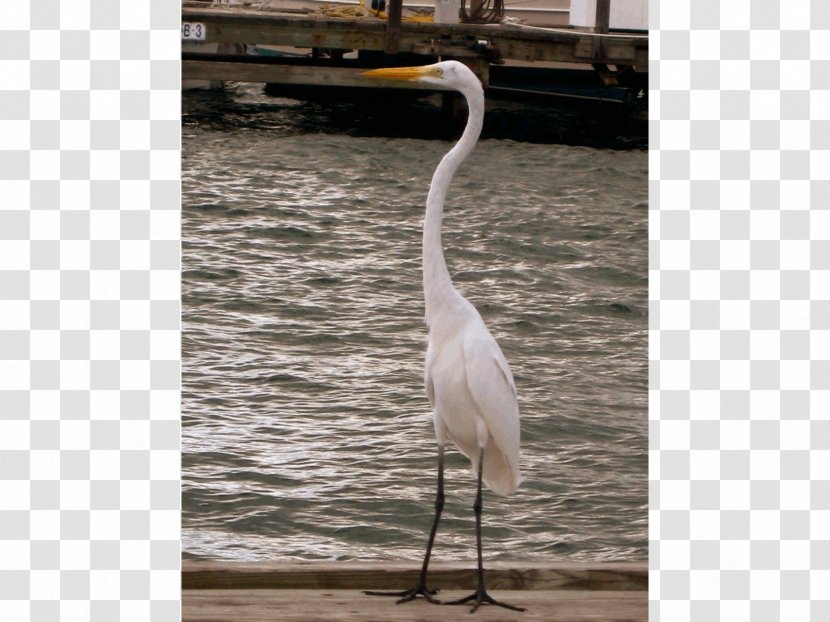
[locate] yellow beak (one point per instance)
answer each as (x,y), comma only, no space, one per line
(404,73)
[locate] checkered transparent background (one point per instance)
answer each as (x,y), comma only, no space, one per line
(740,311)
(89,302)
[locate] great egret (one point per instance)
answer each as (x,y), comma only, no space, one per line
(467,378)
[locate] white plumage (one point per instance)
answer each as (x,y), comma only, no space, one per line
(467,378)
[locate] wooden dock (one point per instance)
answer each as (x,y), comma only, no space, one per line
(618,58)
(332,591)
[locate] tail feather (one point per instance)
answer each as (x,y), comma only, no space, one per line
(501,475)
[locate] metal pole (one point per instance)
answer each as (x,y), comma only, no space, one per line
(393,26)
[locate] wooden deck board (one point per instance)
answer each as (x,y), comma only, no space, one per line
(390,575)
(245,25)
(332,591)
(337,605)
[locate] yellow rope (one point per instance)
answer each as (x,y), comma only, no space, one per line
(419,18)
(360,10)
(350,12)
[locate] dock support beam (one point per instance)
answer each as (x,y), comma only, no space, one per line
(393,26)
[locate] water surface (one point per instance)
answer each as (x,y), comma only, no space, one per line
(306,430)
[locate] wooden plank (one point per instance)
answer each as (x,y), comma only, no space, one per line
(304,34)
(342,605)
(520,49)
(616,576)
(288,74)
(271,23)
(247,26)
(619,51)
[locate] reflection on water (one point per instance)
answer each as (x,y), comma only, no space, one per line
(307,433)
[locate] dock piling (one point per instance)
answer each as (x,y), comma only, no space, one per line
(602,23)
(393,26)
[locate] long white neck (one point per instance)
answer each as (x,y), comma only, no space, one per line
(438,288)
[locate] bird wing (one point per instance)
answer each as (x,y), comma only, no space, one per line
(493,390)
(430,388)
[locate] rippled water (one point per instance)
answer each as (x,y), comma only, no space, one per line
(307,433)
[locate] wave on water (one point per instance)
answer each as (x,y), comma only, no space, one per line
(306,430)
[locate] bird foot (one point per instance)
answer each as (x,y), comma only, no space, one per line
(481,596)
(407,595)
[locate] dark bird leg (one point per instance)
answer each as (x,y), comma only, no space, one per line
(421,587)
(480,595)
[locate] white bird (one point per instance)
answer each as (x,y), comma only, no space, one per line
(467,378)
